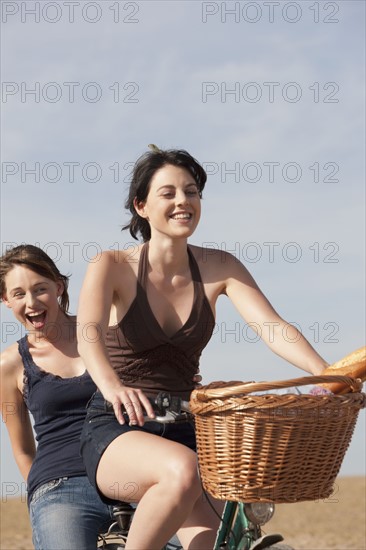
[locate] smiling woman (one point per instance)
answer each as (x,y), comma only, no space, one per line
(192,173)
(33,298)
(149,319)
(37,261)
(171,207)
(43,374)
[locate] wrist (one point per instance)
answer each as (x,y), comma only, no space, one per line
(110,383)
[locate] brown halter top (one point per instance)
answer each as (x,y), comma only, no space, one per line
(144,356)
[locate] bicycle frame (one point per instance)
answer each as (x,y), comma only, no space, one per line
(233,527)
(237,532)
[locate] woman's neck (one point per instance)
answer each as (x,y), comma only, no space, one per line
(169,257)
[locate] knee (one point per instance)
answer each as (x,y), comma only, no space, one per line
(182,475)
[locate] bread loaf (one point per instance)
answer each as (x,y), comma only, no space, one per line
(353,365)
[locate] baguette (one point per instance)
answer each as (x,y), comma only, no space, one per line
(353,365)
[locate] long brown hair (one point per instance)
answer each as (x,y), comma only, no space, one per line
(37,260)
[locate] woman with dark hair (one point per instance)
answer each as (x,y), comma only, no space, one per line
(43,373)
(148,312)
(144,170)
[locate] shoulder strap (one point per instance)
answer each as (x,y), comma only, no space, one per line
(28,364)
(195,271)
(30,368)
(143,268)
(24,352)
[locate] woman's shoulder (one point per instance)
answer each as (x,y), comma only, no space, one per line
(11,361)
(113,266)
(118,257)
(218,268)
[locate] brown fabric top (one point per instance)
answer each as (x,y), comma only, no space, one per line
(144,356)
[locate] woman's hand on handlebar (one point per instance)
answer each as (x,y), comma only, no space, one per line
(132,401)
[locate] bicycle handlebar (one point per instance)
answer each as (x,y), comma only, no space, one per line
(169,409)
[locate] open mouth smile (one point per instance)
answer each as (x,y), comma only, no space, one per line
(37,319)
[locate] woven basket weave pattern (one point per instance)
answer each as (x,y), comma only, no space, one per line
(272,448)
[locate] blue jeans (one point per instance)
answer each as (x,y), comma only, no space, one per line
(67,514)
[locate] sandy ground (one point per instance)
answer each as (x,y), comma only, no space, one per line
(338,523)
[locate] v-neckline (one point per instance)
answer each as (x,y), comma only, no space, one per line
(142,279)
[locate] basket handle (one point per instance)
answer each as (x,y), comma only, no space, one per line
(217,390)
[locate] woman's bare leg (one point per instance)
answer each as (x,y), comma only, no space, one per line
(200,528)
(161,475)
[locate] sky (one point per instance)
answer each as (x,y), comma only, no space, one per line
(268,96)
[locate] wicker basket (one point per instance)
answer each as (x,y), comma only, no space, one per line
(273,448)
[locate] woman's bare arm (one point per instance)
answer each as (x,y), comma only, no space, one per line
(282,338)
(14,411)
(99,290)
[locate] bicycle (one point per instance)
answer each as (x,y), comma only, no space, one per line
(240,523)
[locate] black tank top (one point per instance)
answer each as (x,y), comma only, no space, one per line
(58,407)
(144,356)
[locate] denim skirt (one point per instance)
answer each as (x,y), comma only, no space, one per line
(102,427)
